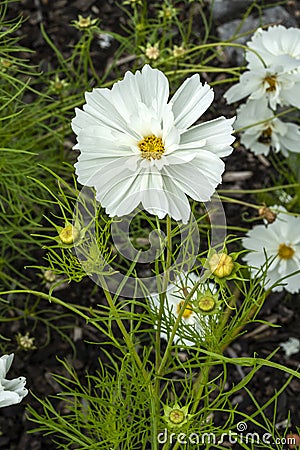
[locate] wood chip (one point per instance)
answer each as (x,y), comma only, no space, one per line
(237,176)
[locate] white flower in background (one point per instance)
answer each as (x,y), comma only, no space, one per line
(11,391)
(276,73)
(136,147)
(280,243)
(276,45)
(269,131)
(201,323)
(105,40)
(291,346)
(274,83)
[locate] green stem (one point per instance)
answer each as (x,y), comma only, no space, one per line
(239,202)
(200,383)
(154,399)
(159,319)
(160,370)
(126,336)
(60,302)
(253,311)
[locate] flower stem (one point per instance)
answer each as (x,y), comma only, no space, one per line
(255,308)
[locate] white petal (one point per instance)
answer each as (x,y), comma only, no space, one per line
(293,284)
(122,196)
(190,101)
(217,134)
(179,205)
(16,385)
(194,179)
(260,233)
(292,96)
(250,141)
(8,398)
(150,86)
(99,105)
(5,364)
(249,82)
(291,140)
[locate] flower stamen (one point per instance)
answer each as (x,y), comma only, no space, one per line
(152,147)
(285,251)
(266,136)
(271,81)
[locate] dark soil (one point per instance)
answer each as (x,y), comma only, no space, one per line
(37,365)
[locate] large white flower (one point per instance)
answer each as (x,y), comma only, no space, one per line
(193,321)
(280,243)
(136,147)
(269,131)
(275,73)
(11,391)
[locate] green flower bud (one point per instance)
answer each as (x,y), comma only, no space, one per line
(69,235)
(221,264)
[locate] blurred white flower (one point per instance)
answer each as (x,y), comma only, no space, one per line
(200,323)
(269,131)
(276,45)
(274,83)
(275,73)
(280,243)
(105,40)
(138,148)
(11,391)
(291,346)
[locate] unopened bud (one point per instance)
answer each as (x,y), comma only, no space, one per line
(206,303)
(221,265)
(69,235)
(176,416)
(267,214)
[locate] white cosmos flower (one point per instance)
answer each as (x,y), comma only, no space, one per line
(269,131)
(275,73)
(280,243)
(11,391)
(274,83)
(276,45)
(136,147)
(291,346)
(192,320)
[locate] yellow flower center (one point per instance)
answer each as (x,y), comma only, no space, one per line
(206,303)
(285,251)
(266,136)
(152,147)
(221,265)
(176,416)
(187,312)
(271,80)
